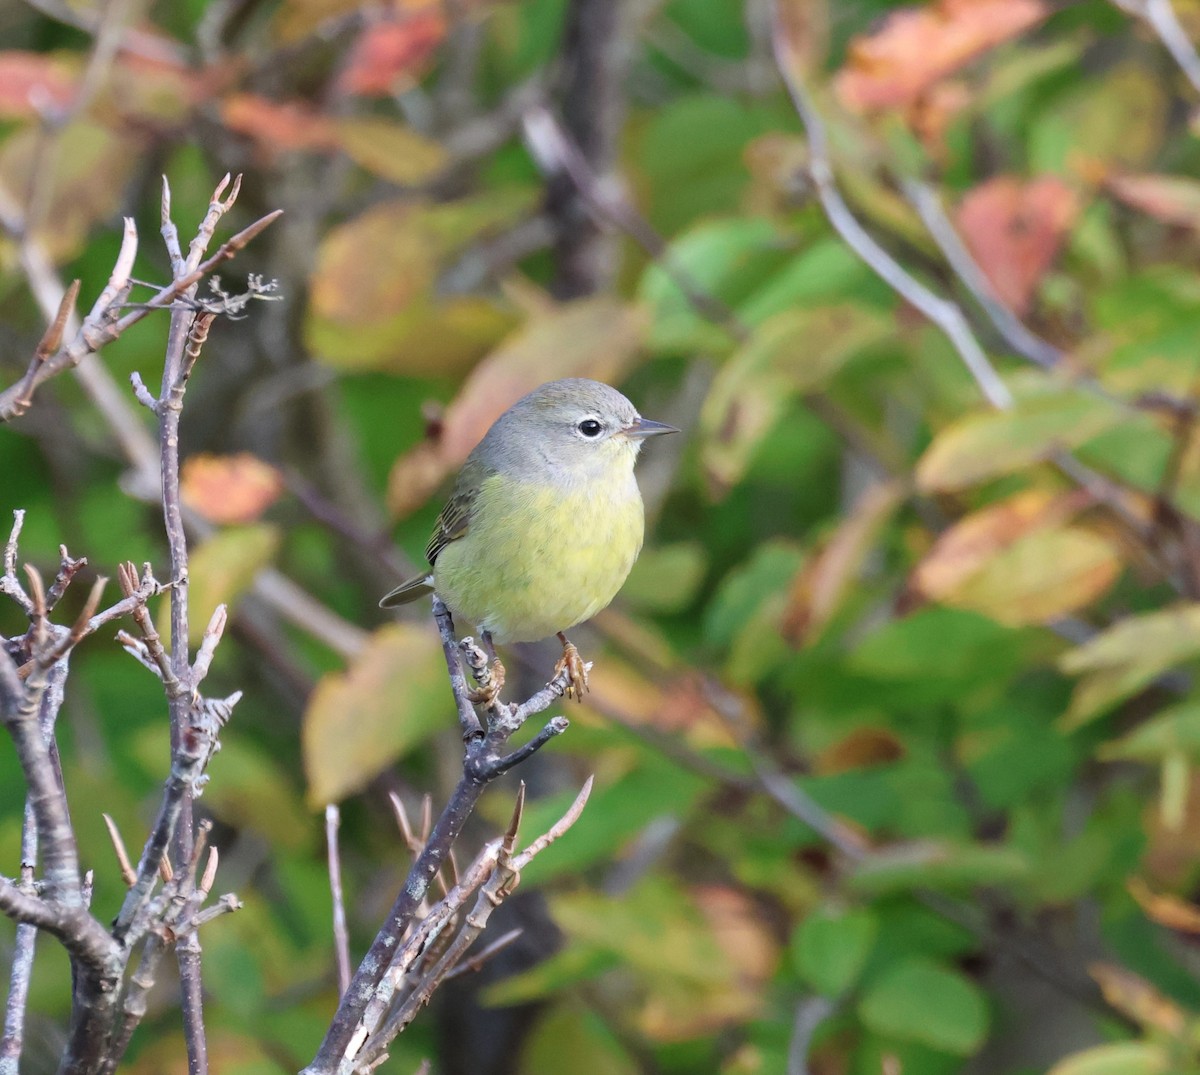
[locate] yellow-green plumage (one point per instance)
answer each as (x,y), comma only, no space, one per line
(545,519)
(565,563)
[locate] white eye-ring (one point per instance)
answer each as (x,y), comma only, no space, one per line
(590,427)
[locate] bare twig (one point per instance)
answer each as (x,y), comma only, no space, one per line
(372,985)
(341,936)
(503,878)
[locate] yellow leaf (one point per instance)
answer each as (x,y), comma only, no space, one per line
(358,722)
(220,570)
(988,444)
(390,150)
(1039,577)
(1120,661)
(1123,1058)
(791,353)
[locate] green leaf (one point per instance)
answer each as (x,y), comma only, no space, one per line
(358,722)
(1120,661)
(1121,1058)
(665,577)
(988,444)
(1171,731)
(791,353)
(220,570)
(922,1001)
(725,259)
(830,948)
(937,865)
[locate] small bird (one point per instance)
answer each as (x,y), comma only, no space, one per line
(545,520)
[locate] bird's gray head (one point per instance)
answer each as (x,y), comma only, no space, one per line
(573,430)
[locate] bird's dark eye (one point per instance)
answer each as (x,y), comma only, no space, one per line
(589,427)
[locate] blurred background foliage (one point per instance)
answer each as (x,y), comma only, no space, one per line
(968,633)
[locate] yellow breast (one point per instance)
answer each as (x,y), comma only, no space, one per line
(539,559)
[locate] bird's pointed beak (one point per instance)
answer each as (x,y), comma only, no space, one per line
(643,428)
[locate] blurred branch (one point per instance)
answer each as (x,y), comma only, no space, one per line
(556,154)
(941,311)
(933,215)
(1160,17)
(366,1002)
(591,64)
(341,937)
(810,1014)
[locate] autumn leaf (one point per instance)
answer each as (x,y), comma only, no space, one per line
(374,301)
(597,337)
(1165,909)
(1138,999)
(278,125)
(986,444)
(1173,199)
(229,488)
(1017,562)
(1126,657)
(821,585)
(389,55)
(33,83)
(394,696)
(1015,230)
(917,46)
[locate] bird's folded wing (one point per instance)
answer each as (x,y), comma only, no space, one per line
(452,523)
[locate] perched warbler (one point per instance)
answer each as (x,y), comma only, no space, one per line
(545,520)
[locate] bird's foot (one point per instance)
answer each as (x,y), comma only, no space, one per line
(490,685)
(576,669)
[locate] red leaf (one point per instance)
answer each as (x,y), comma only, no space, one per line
(31,82)
(1014,231)
(392,52)
(278,126)
(915,47)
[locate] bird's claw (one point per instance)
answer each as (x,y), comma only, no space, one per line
(489,690)
(576,669)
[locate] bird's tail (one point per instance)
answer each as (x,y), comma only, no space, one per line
(408,591)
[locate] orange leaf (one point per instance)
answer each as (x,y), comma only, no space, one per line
(1170,198)
(1165,909)
(916,47)
(965,547)
(392,53)
(278,126)
(1136,998)
(596,338)
(861,749)
(1014,230)
(818,589)
(32,82)
(229,488)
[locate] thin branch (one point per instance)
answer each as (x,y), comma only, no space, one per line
(941,311)
(1160,16)
(484,758)
(341,936)
(933,215)
(810,1014)
(503,879)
